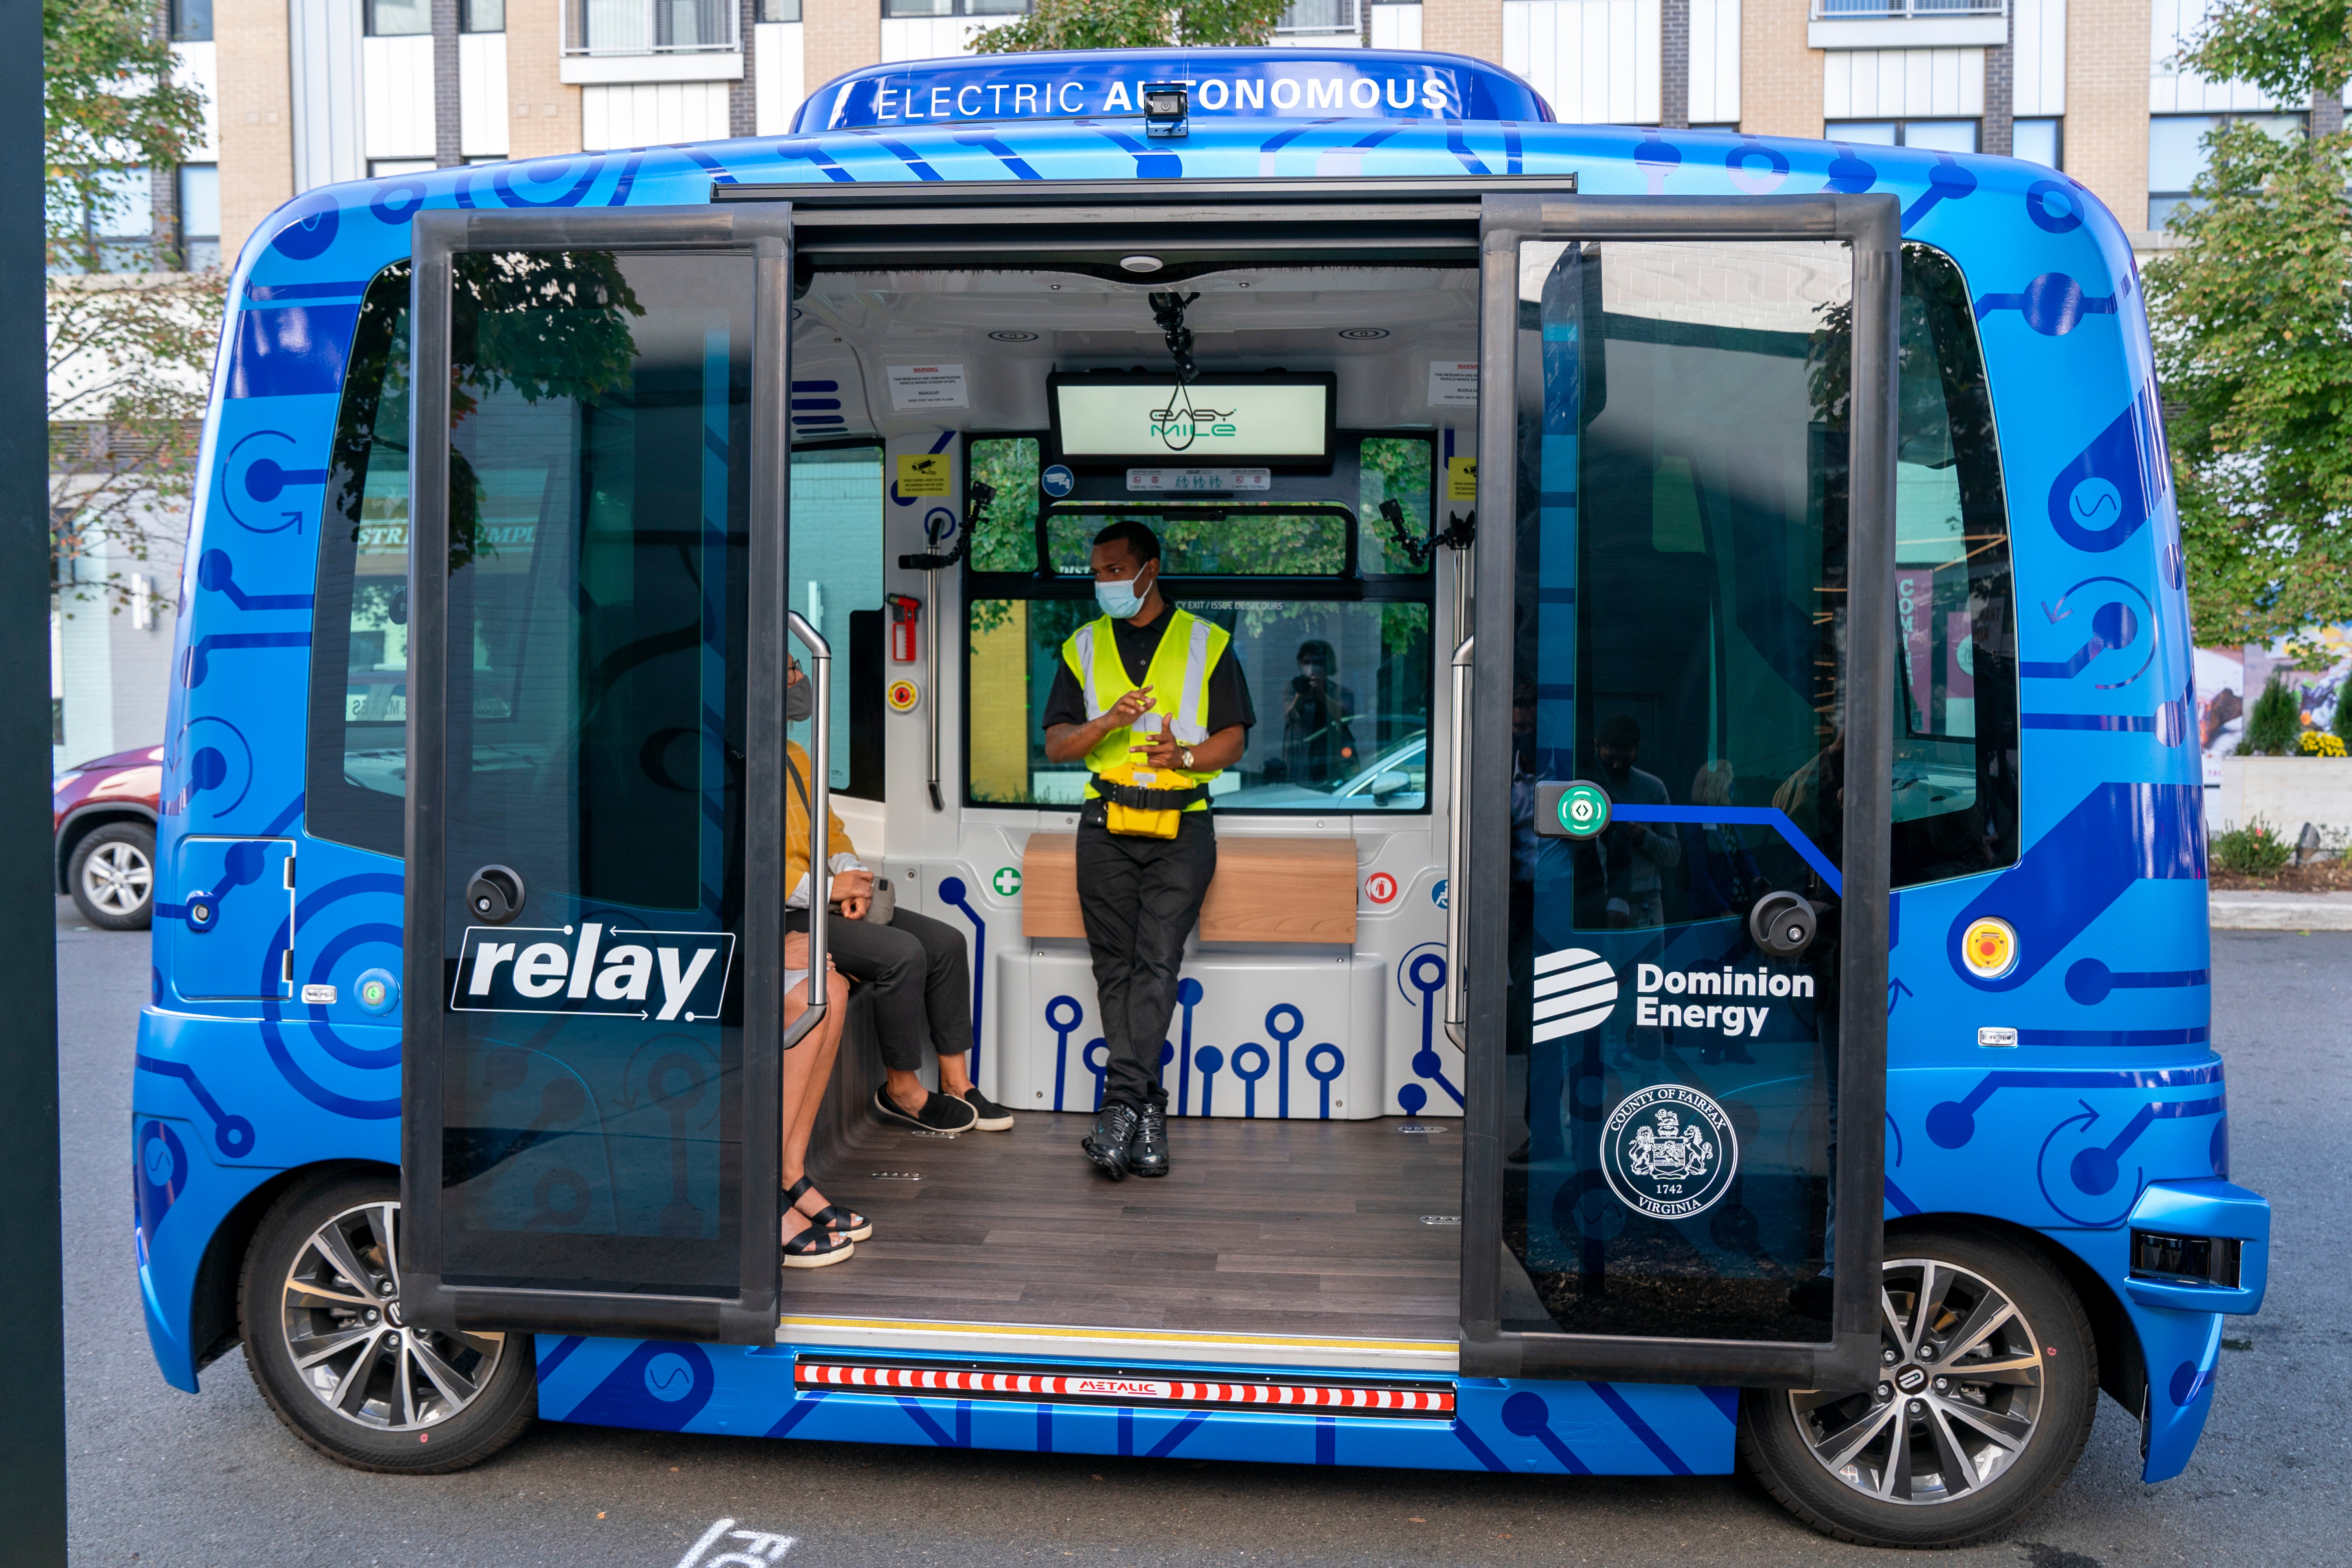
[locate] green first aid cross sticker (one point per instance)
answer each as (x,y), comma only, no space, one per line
(1007,881)
(1583,810)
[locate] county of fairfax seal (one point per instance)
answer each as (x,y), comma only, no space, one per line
(1669,1150)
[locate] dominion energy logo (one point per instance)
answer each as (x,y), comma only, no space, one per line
(1669,1150)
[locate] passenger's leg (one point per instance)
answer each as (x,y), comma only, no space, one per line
(1109,883)
(807,1069)
(1174,879)
(891,962)
(947,995)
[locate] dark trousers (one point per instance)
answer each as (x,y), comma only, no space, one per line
(920,976)
(1139,899)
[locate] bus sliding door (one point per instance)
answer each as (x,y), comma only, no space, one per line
(1678,838)
(597,611)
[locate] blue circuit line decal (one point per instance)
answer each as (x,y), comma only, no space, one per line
(1525,1415)
(953,891)
(1771,816)
(232,1134)
(1952,1123)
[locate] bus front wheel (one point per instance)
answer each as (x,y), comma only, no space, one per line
(327,1346)
(1988,1382)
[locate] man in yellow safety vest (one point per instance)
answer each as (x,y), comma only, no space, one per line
(1146,697)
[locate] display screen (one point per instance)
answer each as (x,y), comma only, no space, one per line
(1144,417)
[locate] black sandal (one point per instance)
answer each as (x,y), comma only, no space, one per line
(815,1247)
(837,1221)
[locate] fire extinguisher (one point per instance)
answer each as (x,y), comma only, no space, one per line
(906,614)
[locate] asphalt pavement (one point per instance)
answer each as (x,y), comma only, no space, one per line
(163,1479)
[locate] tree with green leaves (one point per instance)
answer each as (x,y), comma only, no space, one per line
(131,344)
(2253,323)
(1134,24)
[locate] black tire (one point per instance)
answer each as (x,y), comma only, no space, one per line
(368,1420)
(1881,1498)
(111,876)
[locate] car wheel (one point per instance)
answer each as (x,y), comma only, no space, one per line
(1990,1381)
(319,1308)
(112,875)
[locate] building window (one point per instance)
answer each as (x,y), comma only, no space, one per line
(200,216)
(482,16)
(780,10)
(650,26)
(385,168)
(1318,19)
(399,18)
(900,8)
(1936,135)
(2036,142)
(192,21)
(2177,154)
(120,229)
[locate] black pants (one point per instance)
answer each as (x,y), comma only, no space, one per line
(920,975)
(1139,899)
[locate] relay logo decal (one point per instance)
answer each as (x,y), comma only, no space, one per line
(588,968)
(1575,989)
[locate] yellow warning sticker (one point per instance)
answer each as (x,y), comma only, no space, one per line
(1461,478)
(922,474)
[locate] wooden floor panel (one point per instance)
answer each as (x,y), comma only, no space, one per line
(1262,1227)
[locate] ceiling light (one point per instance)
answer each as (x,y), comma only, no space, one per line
(1140,263)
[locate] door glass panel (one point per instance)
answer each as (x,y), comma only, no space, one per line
(1681,553)
(599,447)
(837,559)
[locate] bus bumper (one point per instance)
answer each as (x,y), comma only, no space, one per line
(2194,1251)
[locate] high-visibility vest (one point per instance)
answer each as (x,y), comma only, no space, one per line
(1179,678)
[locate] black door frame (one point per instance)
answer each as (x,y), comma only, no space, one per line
(763,233)
(1849,1359)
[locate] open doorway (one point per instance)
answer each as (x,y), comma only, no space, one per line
(1314,1193)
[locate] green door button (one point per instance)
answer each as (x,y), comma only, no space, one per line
(1577,809)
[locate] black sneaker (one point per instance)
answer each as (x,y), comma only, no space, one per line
(993,1118)
(942,1113)
(1147,1150)
(1107,1146)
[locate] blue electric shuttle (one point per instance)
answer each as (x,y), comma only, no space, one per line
(1708,959)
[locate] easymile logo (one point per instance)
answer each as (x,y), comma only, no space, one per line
(657,975)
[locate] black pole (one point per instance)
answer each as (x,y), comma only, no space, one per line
(33,1395)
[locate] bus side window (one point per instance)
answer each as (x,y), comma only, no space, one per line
(357,763)
(1956,704)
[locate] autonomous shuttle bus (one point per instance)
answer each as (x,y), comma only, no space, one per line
(1707,962)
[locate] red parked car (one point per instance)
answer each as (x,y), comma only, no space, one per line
(105,822)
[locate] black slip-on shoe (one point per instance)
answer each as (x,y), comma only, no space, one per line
(1147,1150)
(942,1113)
(1107,1145)
(993,1118)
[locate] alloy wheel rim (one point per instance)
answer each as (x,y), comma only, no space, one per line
(1959,1398)
(350,1346)
(116,878)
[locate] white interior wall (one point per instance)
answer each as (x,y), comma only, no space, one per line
(1596,61)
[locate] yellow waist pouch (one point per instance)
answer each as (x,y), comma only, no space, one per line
(1137,805)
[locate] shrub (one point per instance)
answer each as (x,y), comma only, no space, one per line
(2257,849)
(2273,720)
(2341,721)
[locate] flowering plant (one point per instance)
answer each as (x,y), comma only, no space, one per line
(2319,743)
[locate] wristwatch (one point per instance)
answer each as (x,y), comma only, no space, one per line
(1185,757)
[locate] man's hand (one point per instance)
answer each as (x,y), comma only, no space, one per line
(851,892)
(1130,708)
(1160,752)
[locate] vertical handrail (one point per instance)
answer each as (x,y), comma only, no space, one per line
(939,630)
(820,810)
(1457,848)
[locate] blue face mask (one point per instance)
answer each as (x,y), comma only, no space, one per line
(1119,601)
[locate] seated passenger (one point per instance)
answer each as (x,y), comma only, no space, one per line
(822,1234)
(916,967)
